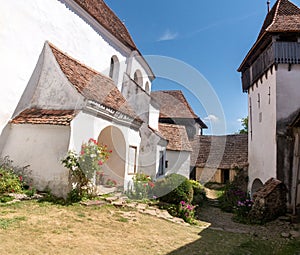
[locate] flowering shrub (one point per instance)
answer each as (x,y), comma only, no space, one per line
(174,188)
(10,182)
(243,208)
(231,196)
(142,187)
(186,211)
(84,166)
(92,157)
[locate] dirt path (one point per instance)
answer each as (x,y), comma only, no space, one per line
(223,221)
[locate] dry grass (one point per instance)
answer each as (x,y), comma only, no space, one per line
(43,228)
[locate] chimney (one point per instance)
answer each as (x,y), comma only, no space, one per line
(268,3)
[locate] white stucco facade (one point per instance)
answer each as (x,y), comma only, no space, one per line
(86,126)
(262,128)
(42,150)
(178,162)
(287,91)
(44,20)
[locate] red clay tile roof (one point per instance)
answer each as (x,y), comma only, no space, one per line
(93,85)
(173,104)
(268,188)
(235,153)
(283,17)
(108,19)
(41,116)
(176,136)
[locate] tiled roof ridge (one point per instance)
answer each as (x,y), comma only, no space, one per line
(89,7)
(182,97)
(280,8)
(113,99)
(44,116)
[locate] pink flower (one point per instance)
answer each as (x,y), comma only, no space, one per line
(20,178)
(151,184)
(100,163)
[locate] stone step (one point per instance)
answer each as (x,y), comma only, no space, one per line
(213,202)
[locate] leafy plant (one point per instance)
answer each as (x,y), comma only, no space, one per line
(111,183)
(173,189)
(83,168)
(186,211)
(142,187)
(232,194)
(199,194)
(9,182)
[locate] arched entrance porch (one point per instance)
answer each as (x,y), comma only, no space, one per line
(114,168)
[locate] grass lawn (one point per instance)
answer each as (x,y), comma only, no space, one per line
(43,228)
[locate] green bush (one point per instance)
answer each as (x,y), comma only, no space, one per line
(231,196)
(199,194)
(9,182)
(173,189)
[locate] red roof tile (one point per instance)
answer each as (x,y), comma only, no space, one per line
(108,19)
(176,136)
(93,85)
(235,152)
(173,104)
(283,17)
(42,116)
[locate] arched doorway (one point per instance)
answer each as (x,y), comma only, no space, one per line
(114,168)
(256,185)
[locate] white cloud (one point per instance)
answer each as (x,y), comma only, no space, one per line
(211,118)
(168,36)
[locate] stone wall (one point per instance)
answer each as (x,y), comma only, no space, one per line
(269,201)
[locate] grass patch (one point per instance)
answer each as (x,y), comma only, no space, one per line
(5,223)
(31,227)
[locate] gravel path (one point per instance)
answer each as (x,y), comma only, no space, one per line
(223,221)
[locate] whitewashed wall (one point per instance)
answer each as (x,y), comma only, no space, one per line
(86,126)
(262,144)
(25,26)
(42,147)
(153,117)
(288,91)
(178,162)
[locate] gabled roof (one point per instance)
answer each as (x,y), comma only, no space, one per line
(173,105)
(176,136)
(108,19)
(92,85)
(284,17)
(42,116)
(235,152)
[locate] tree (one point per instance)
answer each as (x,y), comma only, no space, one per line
(244,123)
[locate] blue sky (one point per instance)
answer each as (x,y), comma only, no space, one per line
(211,36)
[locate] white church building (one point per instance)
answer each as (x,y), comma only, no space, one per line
(70,71)
(271,77)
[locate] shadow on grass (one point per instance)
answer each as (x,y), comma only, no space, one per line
(212,242)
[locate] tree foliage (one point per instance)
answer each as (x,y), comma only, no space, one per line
(244,123)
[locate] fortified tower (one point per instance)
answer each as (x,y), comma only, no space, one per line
(271,77)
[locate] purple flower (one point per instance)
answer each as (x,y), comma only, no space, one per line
(182,203)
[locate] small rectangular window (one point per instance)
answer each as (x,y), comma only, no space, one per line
(132,156)
(260,117)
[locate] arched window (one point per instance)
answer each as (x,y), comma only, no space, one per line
(147,87)
(138,78)
(114,69)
